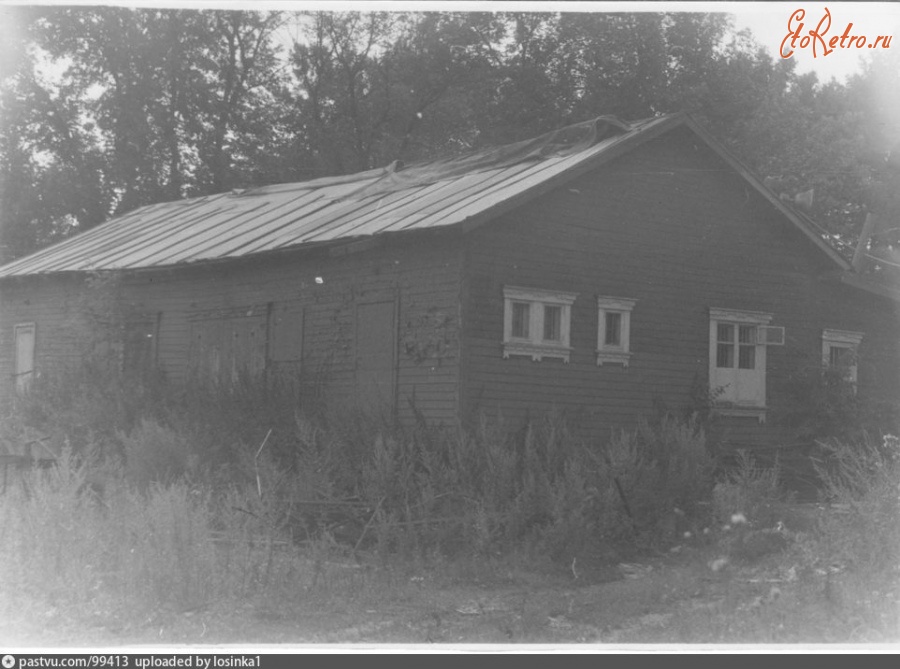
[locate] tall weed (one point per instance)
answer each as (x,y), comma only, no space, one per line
(156,454)
(68,541)
(657,472)
(863,478)
(195,467)
(749,490)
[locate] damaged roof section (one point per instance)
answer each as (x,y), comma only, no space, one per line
(468,190)
(391,199)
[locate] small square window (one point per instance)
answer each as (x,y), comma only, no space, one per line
(614,329)
(840,356)
(725,332)
(840,349)
(536,323)
(747,334)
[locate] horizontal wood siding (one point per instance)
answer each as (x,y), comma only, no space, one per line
(671,226)
(56,308)
(423,279)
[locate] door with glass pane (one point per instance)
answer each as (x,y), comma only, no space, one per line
(739,374)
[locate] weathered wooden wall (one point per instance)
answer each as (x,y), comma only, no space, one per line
(305,305)
(55,305)
(672,226)
(669,225)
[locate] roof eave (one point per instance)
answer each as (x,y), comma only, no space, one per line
(335,247)
(859,282)
(310,247)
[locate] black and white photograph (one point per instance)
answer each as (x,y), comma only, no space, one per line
(448,327)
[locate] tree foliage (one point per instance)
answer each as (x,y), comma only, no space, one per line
(107,108)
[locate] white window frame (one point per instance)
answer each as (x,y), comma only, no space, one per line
(24,369)
(844,339)
(617,353)
(535,345)
(730,396)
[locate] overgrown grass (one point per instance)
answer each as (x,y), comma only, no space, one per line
(219,494)
(864,478)
(749,490)
(68,542)
(234,494)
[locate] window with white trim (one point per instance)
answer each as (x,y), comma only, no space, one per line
(536,323)
(614,329)
(737,359)
(840,349)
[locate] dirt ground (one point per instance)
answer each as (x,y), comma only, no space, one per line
(685,595)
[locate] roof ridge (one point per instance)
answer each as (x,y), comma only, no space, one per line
(565,141)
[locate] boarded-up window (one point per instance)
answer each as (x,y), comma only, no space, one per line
(24,370)
(376,346)
(228,344)
(139,345)
(286,333)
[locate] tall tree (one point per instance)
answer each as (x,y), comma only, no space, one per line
(156,104)
(50,176)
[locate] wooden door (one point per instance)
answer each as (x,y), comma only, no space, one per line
(739,364)
(24,355)
(376,356)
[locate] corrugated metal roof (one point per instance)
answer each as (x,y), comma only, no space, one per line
(234,225)
(468,190)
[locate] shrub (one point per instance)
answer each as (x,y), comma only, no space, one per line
(163,553)
(346,480)
(749,490)
(863,477)
(540,487)
(657,469)
(50,533)
(824,404)
(155,453)
(62,543)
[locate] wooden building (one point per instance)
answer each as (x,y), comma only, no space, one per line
(602,270)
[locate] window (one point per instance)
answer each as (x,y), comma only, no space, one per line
(839,351)
(285,334)
(552,323)
(614,329)
(737,359)
(376,357)
(139,345)
(228,344)
(536,323)
(24,366)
